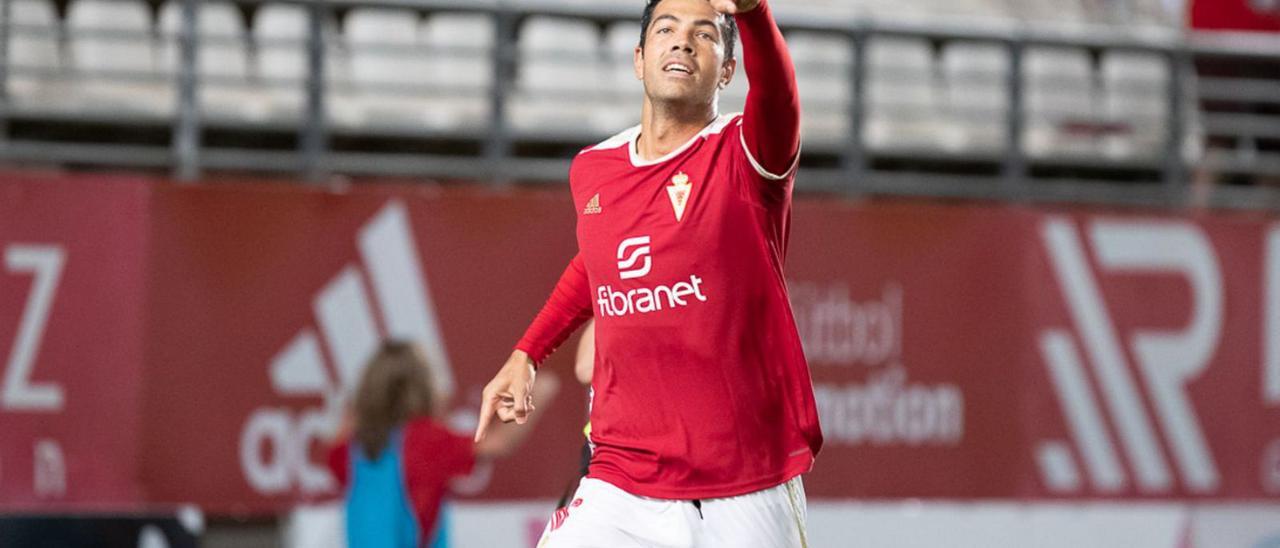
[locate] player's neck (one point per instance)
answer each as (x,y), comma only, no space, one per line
(664,128)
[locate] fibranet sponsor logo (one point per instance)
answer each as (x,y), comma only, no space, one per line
(644,300)
(635,260)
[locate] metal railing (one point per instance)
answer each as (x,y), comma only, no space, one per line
(498,151)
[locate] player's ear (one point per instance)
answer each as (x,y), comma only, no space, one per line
(727,71)
(637,63)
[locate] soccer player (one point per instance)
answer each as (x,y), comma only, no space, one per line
(703,416)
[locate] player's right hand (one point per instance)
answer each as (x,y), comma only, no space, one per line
(509,394)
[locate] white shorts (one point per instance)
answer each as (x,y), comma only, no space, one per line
(603,516)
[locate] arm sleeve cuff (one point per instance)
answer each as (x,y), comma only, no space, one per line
(771,122)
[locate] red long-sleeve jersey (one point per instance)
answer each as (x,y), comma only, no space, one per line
(701,389)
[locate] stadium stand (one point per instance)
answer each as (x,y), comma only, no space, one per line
(385,73)
(975,96)
(1095,97)
(823,64)
(35,58)
(229,84)
(459,52)
(560,68)
(113,51)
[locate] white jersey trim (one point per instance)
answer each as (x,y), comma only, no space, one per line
(619,140)
(630,136)
(760,169)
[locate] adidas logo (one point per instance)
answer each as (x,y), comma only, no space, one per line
(593,206)
(275,441)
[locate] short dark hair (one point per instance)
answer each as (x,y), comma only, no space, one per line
(728,29)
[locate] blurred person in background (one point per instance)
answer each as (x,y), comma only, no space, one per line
(702,415)
(396,462)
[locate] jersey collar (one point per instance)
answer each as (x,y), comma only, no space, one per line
(633,137)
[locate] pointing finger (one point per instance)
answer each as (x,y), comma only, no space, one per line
(486,414)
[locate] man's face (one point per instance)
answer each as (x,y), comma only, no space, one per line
(683,56)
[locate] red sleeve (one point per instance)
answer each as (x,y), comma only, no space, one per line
(566,310)
(771,121)
(340,462)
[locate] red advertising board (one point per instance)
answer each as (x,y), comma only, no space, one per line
(959,351)
(72,298)
(1011,353)
(266,301)
(1246,15)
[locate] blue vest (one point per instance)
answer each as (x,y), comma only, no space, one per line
(379,512)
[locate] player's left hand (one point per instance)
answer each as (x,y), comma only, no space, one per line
(509,395)
(732,7)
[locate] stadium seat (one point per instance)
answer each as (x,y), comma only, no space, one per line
(902,105)
(279,32)
(622,89)
(894,10)
(976,94)
(1061,103)
(970,9)
(389,69)
(817,8)
(1137,99)
(114,56)
(460,66)
(559,78)
(226,91)
(1063,14)
(34,58)
(823,65)
(280,36)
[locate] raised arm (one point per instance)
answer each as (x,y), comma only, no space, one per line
(771,123)
(566,310)
(510,393)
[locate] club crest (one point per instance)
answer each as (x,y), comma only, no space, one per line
(678,191)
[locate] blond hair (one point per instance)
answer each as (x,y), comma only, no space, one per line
(395,388)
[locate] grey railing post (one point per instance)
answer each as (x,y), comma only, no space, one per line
(315,134)
(855,153)
(498,147)
(186,129)
(1014,168)
(6,11)
(1174,172)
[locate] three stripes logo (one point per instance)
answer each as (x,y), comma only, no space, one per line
(633,251)
(1167,360)
(593,206)
(344,312)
